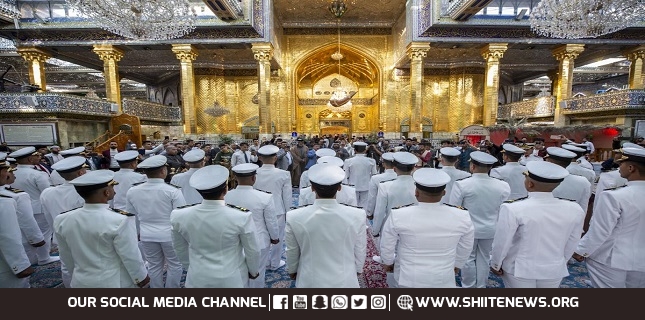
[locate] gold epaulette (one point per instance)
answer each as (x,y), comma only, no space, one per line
(407,205)
(14,190)
(188,205)
(518,199)
(238,208)
(458,207)
(614,188)
(123,212)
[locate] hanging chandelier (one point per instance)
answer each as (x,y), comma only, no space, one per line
(140,19)
(217,110)
(576,19)
(340,100)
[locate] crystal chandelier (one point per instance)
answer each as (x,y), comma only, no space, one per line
(340,99)
(576,19)
(217,110)
(140,19)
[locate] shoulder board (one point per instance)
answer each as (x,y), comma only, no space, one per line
(14,190)
(407,205)
(36,168)
(71,210)
(262,191)
(138,183)
(172,185)
(349,185)
(187,206)
(463,178)
(357,207)
(518,199)
(566,199)
(3,196)
(238,208)
(500,179)
(458,207)
(302,206)
(614,188)
(122,212)
(388,180)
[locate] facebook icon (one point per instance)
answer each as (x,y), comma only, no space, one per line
(280,302)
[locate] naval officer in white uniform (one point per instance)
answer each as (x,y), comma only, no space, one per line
(98,244)
(326,241)
(387,159)
(358,171)
(512,172)
(613,245)
(262,210)
(612,179)
(432,240)
(575,167)
(195,161)
(450,156)
(55,178)
(215,242)
(346,195)
(481,195)
(573,187)
(536,235)
(322,152)
(126,177)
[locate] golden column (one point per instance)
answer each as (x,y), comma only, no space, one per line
(36,59)
(637,67)
(186,54)
(492,53)
(416,52)
(566,54)
(110,57)
(263,52)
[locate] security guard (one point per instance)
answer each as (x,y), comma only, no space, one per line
(358,171)
(195,160)
(323,152)
(262,210)
(512,172)
(126,177)
(152,202)
(15,267)
(575,167)
(535,235)
(99,244)
(387,175)
(431,239)
(326,241)
(278,183)
(450,156)
(573,187)
(62,198)
(33,181)
(346,195)
(613,245)
(55,177)
(215,242)
(482,196)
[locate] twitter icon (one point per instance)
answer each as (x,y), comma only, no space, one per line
(359,302)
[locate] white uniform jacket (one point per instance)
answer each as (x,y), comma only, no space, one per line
(481,195)
(262,209)
(375,180)
(12,254)
(28,226)
(126,179)
(216,243)
(326,245)
(33,181)
(304,180)
(59,199)
(432,238)
(575,188)
(359,170)
(396,193)
(455,174)
(56,179)
(99,247)
(536,236)
(608,180)
(278,182)
(513,174)
(346,196)
(191,195)
(617,229)
(578,170)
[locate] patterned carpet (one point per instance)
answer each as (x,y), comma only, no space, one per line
(49,276)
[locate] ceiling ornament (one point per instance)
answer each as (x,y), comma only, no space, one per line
(140,19)
(216,110)
(340,99)
(576,19)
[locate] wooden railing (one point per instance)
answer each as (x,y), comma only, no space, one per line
(103,145)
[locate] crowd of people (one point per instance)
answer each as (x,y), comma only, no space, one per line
(225,214)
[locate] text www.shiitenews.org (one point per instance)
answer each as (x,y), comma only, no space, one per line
(497,302)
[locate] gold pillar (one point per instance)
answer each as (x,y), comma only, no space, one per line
(553,76)
(186,54)
(416,52)
(637,67)
(492,53)
(566,54)
(36,59)
(110,57)
(263,52)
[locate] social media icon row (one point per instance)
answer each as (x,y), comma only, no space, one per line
(377,302)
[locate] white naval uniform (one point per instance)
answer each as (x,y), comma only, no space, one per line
(56,200)
(532,157)
(326,245)
(56,179)
(396,193)
(585,163)
(534,239)
(28,226)
(575,188)
(433,239)
(455,174)
(304,180)
(216,243)
(375,180)
(99,246)
(358,171)
(151,203)
(346,196)
(266,223)
(238,158)
(579,170)
(126,179)
(481,195)
(613,245)
(513,174)
(13,258)
(191,195)
(608,180)
(268,178)
(33,181)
